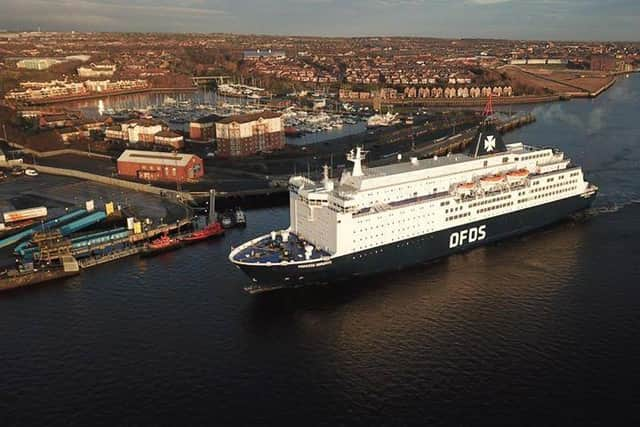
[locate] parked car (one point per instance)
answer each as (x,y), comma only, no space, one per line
(31,172)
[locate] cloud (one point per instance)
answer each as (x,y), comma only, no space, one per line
(521,19)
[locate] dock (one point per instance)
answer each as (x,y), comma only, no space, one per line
(114,256)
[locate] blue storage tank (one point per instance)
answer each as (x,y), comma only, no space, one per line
(83,223)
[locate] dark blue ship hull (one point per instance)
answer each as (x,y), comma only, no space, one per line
(406,253)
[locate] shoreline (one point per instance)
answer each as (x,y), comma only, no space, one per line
(106,95)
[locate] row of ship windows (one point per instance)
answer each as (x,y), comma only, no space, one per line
(548,187)
(402,238)
(494,199)
(399,189)
(553,193)
(490,208)
(534,156)
(462,215)
(453,209)
(398,245)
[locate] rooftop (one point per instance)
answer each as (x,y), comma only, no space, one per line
(211,118)
(167,134)
(156,158)
(246,118)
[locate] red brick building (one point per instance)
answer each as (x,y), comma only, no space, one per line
(603,63)
(249,134)
(158,166)
(204,128)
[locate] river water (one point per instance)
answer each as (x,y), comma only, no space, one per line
(538,330)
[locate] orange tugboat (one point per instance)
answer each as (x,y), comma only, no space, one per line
(160,245)
(211,230)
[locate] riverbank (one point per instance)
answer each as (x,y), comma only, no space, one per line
(99,95)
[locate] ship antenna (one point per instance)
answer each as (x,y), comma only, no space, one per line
(356,156)
(488,108)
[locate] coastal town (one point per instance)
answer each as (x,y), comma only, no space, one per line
(193,123)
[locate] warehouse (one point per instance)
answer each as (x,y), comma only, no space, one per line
(159,166)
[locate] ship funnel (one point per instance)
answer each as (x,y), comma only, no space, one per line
(488,140)
(273,236)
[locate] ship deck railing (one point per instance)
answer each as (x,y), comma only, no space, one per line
(265,250)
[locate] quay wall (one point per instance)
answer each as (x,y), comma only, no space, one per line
(98,95)
(464,102)
(135,186)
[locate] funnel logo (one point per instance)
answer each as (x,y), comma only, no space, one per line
(489,143)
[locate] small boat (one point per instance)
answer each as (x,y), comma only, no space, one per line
(240,219)
(209,231)
(228,219)
(160,245)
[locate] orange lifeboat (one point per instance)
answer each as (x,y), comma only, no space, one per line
(466,188)
(491,181)
(520,173)
(517,175)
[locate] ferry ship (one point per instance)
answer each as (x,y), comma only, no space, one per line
(378,219)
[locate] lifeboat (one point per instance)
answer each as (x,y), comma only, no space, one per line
(491,181)
(492,178)
(466,188)
(517,176)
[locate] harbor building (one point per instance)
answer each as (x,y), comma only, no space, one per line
(248,134)
(204,128)
(93,70)
(137,130)
(603,63)
(37,63)
(169,138)
(159,166)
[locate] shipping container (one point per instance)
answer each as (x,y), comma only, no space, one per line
(25,214)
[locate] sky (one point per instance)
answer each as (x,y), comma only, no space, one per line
(510,19)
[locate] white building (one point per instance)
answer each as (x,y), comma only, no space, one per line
(96,71)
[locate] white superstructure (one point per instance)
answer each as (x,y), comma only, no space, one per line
(370,208)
